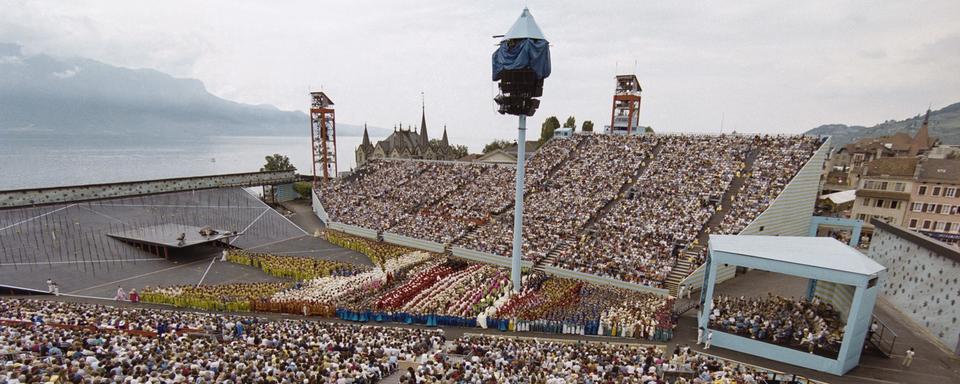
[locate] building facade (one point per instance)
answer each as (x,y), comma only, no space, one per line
(884,190)
(935,200)
(406,144)
(846,166)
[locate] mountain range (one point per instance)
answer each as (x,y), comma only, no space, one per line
(46,96)
(944,124)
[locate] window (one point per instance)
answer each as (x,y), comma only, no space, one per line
(879,203)
(923,190)
(869,184)
(883,186)
(944,209)
(926,224)
(950,192)
(866,201)
(894,204)
(956,227)
(862,217)
(916,207)
(947,227)
(899,187)
(926,207)
(913,223)
(939,225)
(936,191)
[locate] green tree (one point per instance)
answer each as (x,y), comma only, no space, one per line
(587,126)
(460,150)
(570,123)
(546,130)
(303,188)
(495,145)
(277,162)
(648,129)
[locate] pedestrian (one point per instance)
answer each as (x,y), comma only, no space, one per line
(706,345)
(56,289)
(49,285)
(306,311)
(874,327)
(134,296)
(699,335)
(683,290)
(908,357)
(121,295)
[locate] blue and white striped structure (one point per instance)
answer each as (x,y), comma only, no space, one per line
(816,258)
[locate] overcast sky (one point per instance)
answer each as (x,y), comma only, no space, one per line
(768,66)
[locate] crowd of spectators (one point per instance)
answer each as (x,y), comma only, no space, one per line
(219,297)
(486,359)
(809,325)
(377,251)
(778,158)
(572,306)
(46,341)
(291,267)
(672,201)
(493,359)
(615,206)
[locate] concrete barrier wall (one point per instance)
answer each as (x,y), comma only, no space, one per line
(354,230)
(318,209)
(488,258)
(411,242)
(69,194)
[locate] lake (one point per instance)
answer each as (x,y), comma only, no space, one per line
(30,163)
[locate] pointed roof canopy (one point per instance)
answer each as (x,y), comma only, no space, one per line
(525,28)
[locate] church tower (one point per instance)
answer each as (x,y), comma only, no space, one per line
(921,142)
(423,123)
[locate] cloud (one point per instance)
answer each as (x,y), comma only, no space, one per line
(11,60)
(766,67)
(67,73)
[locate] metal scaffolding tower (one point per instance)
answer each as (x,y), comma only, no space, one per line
(323,138)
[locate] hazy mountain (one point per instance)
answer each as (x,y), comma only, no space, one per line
(41,95)
(944,124)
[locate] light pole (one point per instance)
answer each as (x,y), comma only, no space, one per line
(520,63)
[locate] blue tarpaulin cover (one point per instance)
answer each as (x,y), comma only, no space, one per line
(531,54)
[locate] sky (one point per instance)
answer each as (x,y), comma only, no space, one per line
(757,66)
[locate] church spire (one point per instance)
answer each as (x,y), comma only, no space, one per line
(444,140)
(366,136)
(921,142)
(423,122)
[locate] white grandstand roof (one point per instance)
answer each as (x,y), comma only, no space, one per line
(818,252)
(841,197)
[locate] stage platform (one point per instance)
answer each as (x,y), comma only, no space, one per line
(71,243)
(168,235)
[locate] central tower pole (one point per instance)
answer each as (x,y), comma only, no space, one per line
(518,205)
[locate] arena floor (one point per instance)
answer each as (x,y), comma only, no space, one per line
(67,242)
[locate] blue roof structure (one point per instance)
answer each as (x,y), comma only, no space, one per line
(525,28)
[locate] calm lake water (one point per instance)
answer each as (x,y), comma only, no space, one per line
(28,163)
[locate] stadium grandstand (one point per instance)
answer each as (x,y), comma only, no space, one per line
(635,209)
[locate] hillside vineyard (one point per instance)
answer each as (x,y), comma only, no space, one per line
(615,206)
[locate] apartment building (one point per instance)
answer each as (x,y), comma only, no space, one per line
(935,200)
(884,191)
